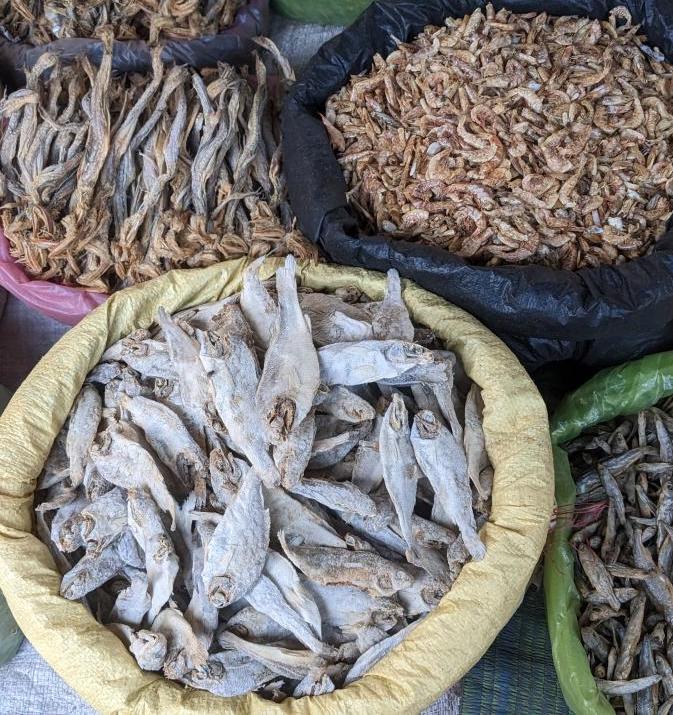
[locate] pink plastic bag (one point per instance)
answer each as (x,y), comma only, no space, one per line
(63,303)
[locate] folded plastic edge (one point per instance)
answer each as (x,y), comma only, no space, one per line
(63,303)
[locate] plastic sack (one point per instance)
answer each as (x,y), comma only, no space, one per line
(232,45)
(63,303)
(434,656)
(321,12)
(623,390)
(595,317)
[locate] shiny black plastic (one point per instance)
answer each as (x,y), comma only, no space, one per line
(593,317)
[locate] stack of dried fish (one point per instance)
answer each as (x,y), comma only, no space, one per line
(624,553)
(514,138)
(42,21)
(110,182)
(275,527)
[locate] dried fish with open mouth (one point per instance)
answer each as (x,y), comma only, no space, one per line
(108,184)
(513,138)
(623,553)
(250,518)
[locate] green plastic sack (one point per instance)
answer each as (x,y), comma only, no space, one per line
(322,12)
(10,635)
(622,390)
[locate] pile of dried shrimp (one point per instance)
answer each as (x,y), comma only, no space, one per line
(511,138)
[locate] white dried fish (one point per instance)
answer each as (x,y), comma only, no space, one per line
(326,452)
(133,602)
(391,320)
(184,650)
(345,405)
(369,361)
(257,305)
(171,441)
(293,453)
(400,471)
(371,657)
(283,574)
(294,664)
(125,462)
(229,673)
(161,561)
(236,552)
(443,462)
(288,513)
(350,608)
(234,378)
(84,419)
(291,375)
(363,569)
(267,598)
(342,496)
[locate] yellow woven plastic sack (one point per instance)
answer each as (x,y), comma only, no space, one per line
(434,656)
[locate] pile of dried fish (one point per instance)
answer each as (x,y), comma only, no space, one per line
(110,182)
(511,138)
(42,21)
(624,554)
(278,525)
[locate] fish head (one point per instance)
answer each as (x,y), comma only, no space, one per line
(402,579)
(220,591)
(70,535)
(398,416)
(427,424)
(149,649)
(386,613)
(433,593)
(78,586)
(176,665)
(280,418)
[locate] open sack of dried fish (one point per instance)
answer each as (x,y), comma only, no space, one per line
(608,566)
(108,182)
(41,21)
(281,487)
(199,33)
(498,139)
(286,548)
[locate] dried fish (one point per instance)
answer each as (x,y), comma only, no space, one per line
(42,22)
(625,554)
(272,530)
(114,183)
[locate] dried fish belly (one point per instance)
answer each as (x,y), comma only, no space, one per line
(624,557)
(250,508)
(508,138)
(42,21)
(108,183)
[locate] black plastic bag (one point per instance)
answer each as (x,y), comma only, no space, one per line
(593,317)
(232,45)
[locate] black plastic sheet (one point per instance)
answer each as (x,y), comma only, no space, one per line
(232,46)
(592,317)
